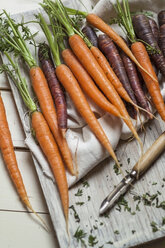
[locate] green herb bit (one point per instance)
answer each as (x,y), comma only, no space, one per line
(85,184)
(109,242)
(79,192)
(116,169)
(133,231)
(80,203)
(161,205)
(154,226)
(89,197)
(163,221)
(154,183)
(76,216)
(128,160)
(116,232)
(80,235)
(92,241)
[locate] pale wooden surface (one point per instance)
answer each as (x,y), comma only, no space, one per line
(18,228)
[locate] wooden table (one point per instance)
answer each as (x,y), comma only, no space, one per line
(18,228)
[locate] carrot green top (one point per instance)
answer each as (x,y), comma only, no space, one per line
(14,73)
(12,40)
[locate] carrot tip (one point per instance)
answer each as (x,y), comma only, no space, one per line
(63,132)
(27,203)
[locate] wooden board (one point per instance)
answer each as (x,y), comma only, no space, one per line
(101,181)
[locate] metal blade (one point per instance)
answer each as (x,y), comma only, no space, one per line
(114,196)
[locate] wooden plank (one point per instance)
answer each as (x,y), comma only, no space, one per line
(15,125)
(9,197)
(18,229)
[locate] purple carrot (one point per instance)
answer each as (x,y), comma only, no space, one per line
(144,32)
(54,85)
(90,33)
(111,52)
(154,28)
(161,17)
(162,39)
(134,81)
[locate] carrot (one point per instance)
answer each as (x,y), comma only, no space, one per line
(154,28)
(11,38)
(54,85)
(90,33)
(107,46)
(162,39)
(153,87)
(161,17)
(141,54)
(71,85)
(9,157)
(50,149)
(135,82)
(42,91)
(42,133)
(144,32)
(87,83)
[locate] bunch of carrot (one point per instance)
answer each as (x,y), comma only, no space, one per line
(109,75)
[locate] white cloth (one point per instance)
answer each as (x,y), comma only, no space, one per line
(82,142)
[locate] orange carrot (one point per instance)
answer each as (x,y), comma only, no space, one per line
(105,28)
(71,85)
(9,157)
(153,87)
(89,62)
(87,83)
(42,91)
(50,149)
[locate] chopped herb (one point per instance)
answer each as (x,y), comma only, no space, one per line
(95,227)
(128,160)
(101,246)
(133,231)
(89,197)
(127,171)
(116,232)
(154,226)
(106,215)
(159,192)
(76,216)
(163,221)
(154,183)
(137,207)
(110,243)
(164,179)
(80,235)
(85,184)
(101,223)
(161,205)
(80,203)
(117,169)
(79,192)
(92,240)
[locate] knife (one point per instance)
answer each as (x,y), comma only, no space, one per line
(140,167)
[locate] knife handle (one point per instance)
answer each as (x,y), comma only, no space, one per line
(150,155)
